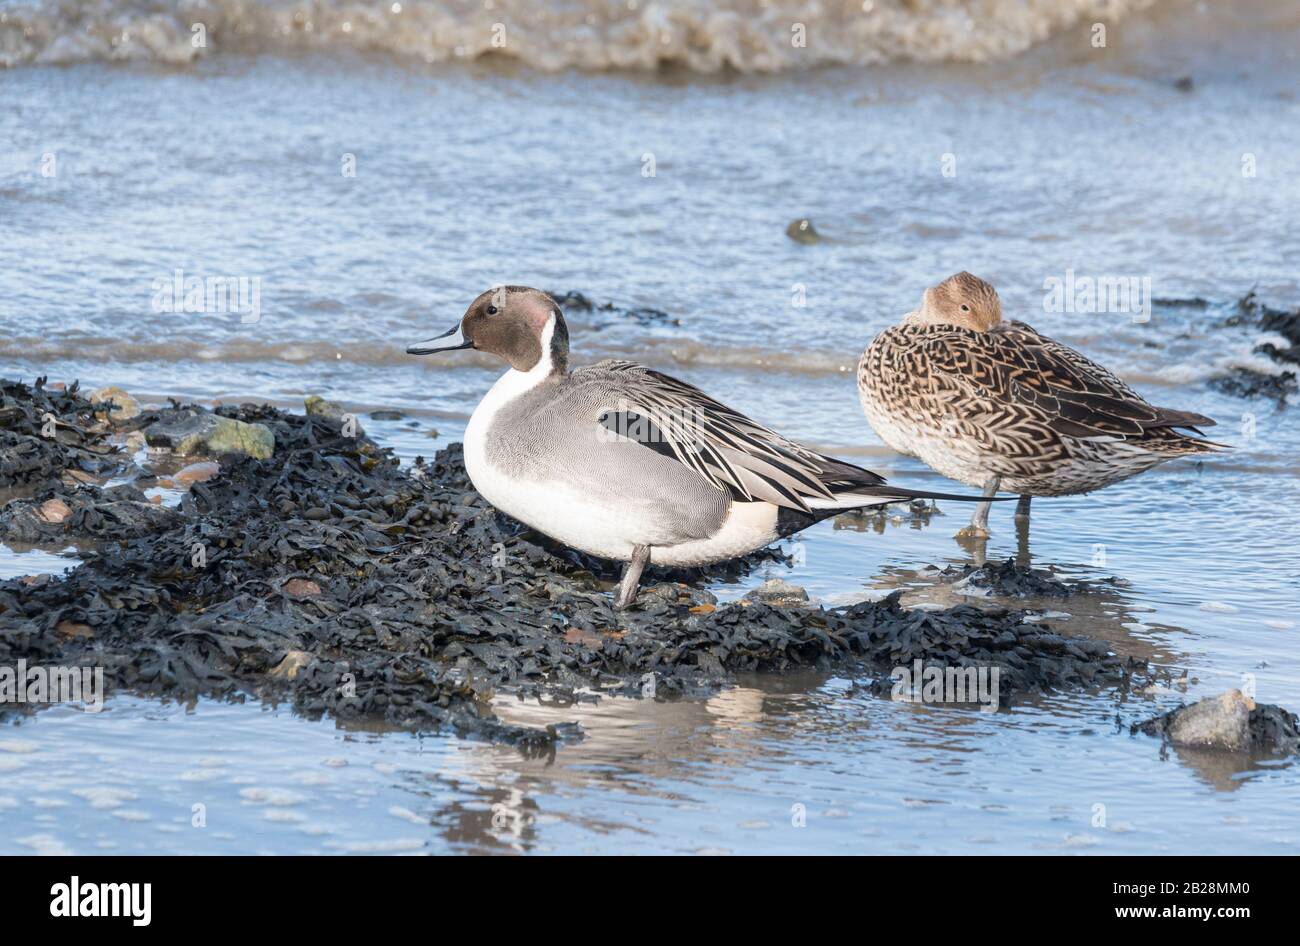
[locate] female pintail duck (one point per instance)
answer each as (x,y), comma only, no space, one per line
(628,464)
(997,405)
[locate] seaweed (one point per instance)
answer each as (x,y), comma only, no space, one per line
(1009,579)
(1245,382)
(334,577)
(602,315)
(45,432)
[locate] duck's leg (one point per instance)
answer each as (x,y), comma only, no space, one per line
(632,576)
(1022,532)
(979,523)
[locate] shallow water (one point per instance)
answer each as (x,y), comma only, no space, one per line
(1067,158)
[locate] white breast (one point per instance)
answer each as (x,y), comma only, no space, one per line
(551,507)
(554,508)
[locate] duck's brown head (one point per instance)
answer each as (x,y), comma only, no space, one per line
(522,326)
(963,300)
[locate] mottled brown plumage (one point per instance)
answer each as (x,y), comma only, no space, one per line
(999,405)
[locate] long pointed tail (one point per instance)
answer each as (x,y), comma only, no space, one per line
(859,496)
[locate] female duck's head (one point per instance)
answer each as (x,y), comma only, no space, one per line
(963,300)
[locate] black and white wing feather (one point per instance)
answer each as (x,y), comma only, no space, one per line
(731,451)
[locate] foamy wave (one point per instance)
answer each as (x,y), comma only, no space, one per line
(660,352)
(702,35)
(1191,367)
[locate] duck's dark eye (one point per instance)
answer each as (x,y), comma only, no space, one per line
(491,310)
(965,307)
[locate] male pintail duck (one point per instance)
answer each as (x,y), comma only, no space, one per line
(629,464)
(997,405)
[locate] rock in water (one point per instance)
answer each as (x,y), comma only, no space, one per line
(803,231)
(189,430)
(332,410)
(184,431)
(1231,721)
(1219,722)
(120,405)
(319,407)
(778,593)
(234,436)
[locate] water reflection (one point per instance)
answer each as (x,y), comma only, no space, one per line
(1223,770)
